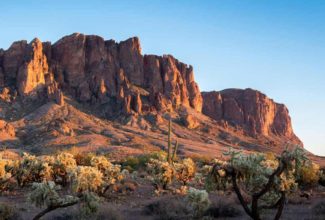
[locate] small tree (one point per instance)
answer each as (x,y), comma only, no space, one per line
(266,181)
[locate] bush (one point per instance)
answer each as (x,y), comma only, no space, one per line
(133,163)
(88,179)
(64,167)
(83,159)
(185,170)
(8,212)
(162,173)
(30,169)
(309,174)
(198,201)
(4,175)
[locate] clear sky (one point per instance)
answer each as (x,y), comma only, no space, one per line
(277,47)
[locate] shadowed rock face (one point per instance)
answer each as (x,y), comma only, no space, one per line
(249,109)
(106,73)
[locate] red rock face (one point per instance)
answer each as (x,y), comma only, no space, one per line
(97,71)
(251,110)
(31,74)
(117,79)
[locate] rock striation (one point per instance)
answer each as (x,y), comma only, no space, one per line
(249,110)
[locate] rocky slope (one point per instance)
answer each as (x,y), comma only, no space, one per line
(108,93)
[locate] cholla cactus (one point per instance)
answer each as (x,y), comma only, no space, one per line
(4,175)
(64,167)
(162,172)
(88,179)
(30,169)
(100,162)
(265,178)
(67,160)
(309,174)
(198,201)
(111,172)
(45,195)
(185,170)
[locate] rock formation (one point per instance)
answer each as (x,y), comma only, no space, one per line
(96,71)
(117,79)
(250,110)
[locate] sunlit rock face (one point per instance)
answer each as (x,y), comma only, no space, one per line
(103,72)
(94,70)
(249,109)
(113,80)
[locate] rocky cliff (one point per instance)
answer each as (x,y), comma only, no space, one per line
(249,110)
(97,71)
(117,79)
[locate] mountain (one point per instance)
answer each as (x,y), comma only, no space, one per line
(103,95)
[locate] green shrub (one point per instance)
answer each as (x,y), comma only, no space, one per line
(134,163)
(198,201)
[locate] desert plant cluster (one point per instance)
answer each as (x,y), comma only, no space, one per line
(59,181)
(259,181)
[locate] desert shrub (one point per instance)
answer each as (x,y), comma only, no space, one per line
(30,169)
(131,163)
(88,179)
(198,201)
(168,209)
(185,170)
(111,172)
(8,212)
(64,167)
(162,173)
(4,175)
(215,180)
(134,163)
(88,203)
(83,159)
(309,174)
(101,163)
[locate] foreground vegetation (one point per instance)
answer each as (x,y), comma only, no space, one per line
(260,181)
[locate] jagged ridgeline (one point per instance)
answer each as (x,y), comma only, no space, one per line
(113,80)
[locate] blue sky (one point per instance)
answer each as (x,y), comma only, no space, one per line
(277,47)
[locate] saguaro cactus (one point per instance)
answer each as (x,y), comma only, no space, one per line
(171,153)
